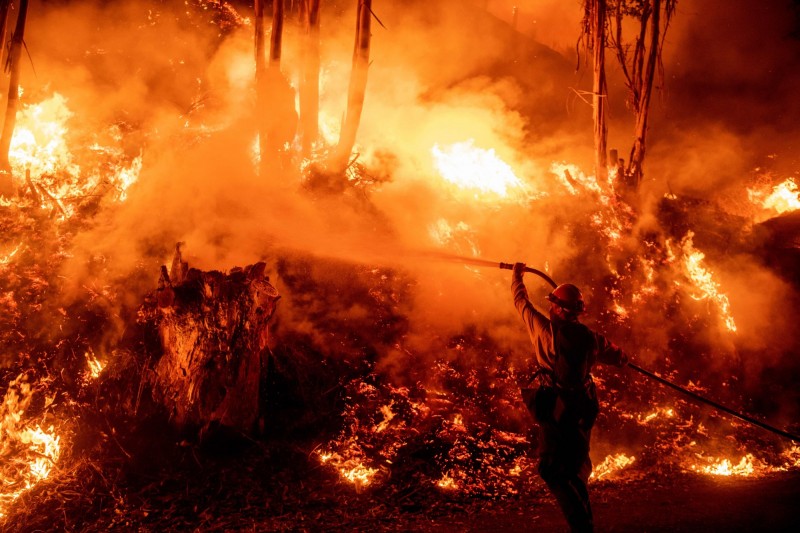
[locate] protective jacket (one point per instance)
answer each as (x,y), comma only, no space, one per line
(553,370)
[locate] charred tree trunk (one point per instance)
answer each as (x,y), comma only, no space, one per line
(596,13)
(213,334)
(357,89)
(642,106)
(12,66)
(640,68)
(309,88)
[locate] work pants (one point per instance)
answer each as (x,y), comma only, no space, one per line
(565,425)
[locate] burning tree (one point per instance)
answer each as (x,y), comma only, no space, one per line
(640,62)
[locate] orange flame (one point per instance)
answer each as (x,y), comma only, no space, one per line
(479,170)
(783,198)
(725,467)
(351,469)
(29,452)
(703,280)
(611,465)
(39,148)
(39,140)
(96,366)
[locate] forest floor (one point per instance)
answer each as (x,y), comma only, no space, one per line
(268,488)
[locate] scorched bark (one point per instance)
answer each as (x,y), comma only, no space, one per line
(213,331)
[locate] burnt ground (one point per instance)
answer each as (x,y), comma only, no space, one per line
(269,487)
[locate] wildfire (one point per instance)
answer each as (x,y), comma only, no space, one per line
(477,169)
(41,159)
(611,465)
(783,198)
(39,141)
(703,280)
(725,467)
(29,452)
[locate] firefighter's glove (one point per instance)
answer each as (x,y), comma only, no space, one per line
(519,269)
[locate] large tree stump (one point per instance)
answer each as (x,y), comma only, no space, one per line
(214,339)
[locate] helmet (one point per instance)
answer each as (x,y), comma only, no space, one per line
(569,297)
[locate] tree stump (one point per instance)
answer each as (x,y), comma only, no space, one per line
(213,330)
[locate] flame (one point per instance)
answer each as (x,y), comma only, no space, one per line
(359,475)
(7,257)
(388,415)
(39,140)
(703,280)
(29,452)
(447,483)
(573,178)
(476,169)
(725,467)
(352,469)
(791,457)
(41,158)
(784,197)
(611,465)
(95,365)
(127,176)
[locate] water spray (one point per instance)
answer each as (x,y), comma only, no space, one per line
(646,373)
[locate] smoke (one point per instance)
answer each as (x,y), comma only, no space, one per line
(440,75)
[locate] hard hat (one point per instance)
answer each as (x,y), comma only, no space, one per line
(569,297)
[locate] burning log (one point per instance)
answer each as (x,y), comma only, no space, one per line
(213,334)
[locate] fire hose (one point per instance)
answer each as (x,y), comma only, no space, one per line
(667,383)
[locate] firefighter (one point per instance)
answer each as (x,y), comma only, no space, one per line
(561,396)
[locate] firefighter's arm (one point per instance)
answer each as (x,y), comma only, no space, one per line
(609,353)
(532,317)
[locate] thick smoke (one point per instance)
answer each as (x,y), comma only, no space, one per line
(440,75)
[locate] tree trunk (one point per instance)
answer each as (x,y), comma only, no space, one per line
(309,87)
(13,66)
(277,117)
(357,89)
(599,89)
(261,67)
(636,163)
(213,331)
(276,37)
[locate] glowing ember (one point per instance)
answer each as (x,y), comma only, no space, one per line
(611,465)
(703,280)
(791,457)
(359,475)
(664,412)
(474,168)
(28,451)
(784,197)
(447,483)
(351,469)
(386,410)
